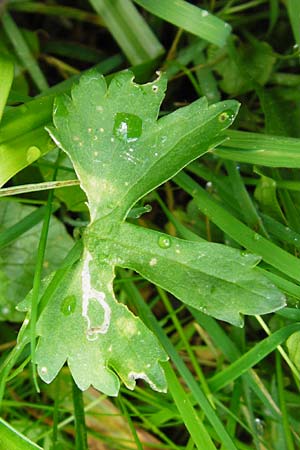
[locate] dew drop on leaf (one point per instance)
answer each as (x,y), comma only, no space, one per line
(164,242)
(33,153)
(127,127)
(68,305)
(226,116)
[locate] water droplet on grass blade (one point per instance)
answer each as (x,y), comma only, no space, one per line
(164,242)
(127,127)
(68,305)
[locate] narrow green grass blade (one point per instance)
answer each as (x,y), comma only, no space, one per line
(10,438)
(243,198)
(232,353)
(6,79)
(283,406)
(23,52)
(191,419)
(196,391)
(9,235)
(255,148)
(80,427)
(293,7)
(189,17)
(242,234)
(252,357)
(129,29)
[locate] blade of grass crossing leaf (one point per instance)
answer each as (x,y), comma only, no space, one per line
(182,230)
(252,357)
(282,402)
(79,414)
(38,276)
(129,29)
(23,51)
(196,391)
(191,419)
(242,234)
(191,18)
(293,7)
(6,79)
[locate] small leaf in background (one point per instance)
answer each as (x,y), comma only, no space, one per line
(257,63)
(17,261)
(293,345)
(266,195)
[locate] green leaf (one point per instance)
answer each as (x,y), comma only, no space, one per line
(84,324)
(17,261)
(293,345)
(215,279)
(120,152)
(115,132)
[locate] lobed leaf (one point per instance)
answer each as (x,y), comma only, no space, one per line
(120,152)
(213,278)
(114,132)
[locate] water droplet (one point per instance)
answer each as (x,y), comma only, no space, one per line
(204,13)
(209,186)
(164,242)
(256,237)
(226,116)
(5,310)
(127,127)
(68,305)
(259,425)
(33,153)
(44,370)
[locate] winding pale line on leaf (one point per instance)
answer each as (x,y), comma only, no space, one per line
(88,293)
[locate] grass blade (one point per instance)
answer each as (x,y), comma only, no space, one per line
(252,357)
(6,79)
(242,234)
(129,29)
(262,149)
(196,391)
(192,421)
(191,18)
(23,51)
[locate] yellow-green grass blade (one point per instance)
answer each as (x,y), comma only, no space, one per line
(23,51)
(6,79)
